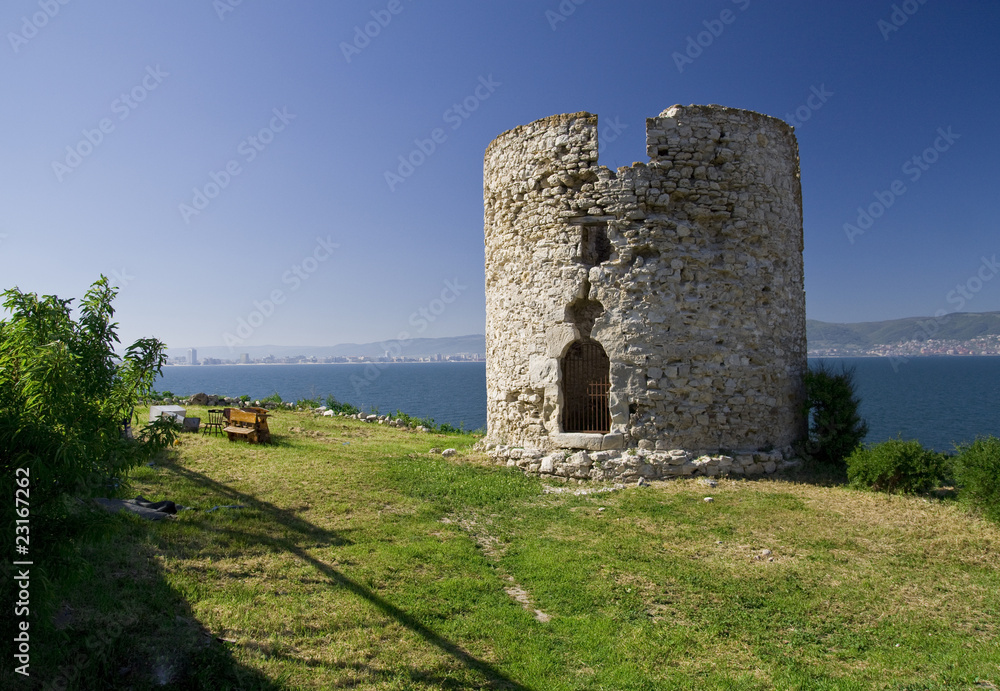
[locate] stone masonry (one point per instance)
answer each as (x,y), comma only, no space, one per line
(651,321)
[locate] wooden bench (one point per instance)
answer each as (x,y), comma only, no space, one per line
(248,424)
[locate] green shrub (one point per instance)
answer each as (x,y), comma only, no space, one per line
(67,401)
(835,428)
(977,473)
(338,407)
(406,419)
(273,398)
(896,466)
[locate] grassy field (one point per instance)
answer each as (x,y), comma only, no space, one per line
(359,560)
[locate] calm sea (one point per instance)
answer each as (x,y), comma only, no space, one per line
(452,392)
(938,400)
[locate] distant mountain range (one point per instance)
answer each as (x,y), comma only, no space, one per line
(957,326)
(415,347)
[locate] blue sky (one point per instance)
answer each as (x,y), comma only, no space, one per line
(226,163)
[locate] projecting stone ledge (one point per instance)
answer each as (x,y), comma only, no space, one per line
(590,442)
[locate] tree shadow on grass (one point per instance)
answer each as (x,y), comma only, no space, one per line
(318,537)
(357,674)
(103,616)
(812,472)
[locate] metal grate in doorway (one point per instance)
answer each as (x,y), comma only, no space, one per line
(586,386)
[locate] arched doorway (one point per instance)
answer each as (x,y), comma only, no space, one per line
(586,382)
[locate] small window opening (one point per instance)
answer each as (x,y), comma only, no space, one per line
(586,388)
(595,248)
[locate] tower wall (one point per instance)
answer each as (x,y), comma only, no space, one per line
(687,270)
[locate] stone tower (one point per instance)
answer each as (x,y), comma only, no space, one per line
(647,321)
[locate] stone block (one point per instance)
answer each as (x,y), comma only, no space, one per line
(612,441)
(546,465)
(590,442)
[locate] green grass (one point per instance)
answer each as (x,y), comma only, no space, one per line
(362,561)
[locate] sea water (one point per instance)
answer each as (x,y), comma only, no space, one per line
(452,392)
(940,401)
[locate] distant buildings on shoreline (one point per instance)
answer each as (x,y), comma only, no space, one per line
(984,345)
(245,359)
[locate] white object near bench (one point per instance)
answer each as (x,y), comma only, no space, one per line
(174,411)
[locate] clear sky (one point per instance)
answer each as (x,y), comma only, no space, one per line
(211,156)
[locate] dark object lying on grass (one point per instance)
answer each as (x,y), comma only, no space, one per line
(150,510)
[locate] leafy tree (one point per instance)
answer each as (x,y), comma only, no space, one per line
(835,427)
(67,400)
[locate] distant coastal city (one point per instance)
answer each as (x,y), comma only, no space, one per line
(984,345)
(956,334)
(244,359)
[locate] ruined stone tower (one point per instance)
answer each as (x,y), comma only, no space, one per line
(649,321)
